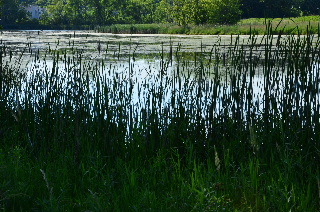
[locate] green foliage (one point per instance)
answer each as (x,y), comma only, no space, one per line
(184,12)
(163,13)
(310,7)
(222,11)
(1,3)
(299,25)
(139,12)
(282,8)
(12,13)
(77,13)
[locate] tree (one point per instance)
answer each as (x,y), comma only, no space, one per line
(222,11)
(182,12)
(163,13)
(282,8)
(252,9)
(76,12)
(12,13)
(28,2)
(66,12)
(98,11)
(197,12)
(42,3)
(56,13)
(1,1)
(138,12)
(311,7)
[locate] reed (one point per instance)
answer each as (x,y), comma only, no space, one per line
(235,128)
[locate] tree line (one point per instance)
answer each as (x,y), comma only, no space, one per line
(180,12)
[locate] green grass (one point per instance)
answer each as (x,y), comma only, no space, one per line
(296,25)
(64,147)
(144,29)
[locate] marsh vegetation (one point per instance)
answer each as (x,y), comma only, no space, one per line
(98,122)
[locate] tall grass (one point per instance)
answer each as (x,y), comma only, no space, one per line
(234,129)
(289,26)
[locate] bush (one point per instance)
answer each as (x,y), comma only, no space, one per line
(222,11)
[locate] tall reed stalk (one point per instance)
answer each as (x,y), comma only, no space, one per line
(255,101)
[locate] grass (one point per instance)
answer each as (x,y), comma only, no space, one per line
(200,138)
(296,25)
(144,29)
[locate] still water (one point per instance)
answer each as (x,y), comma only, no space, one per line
(208,74)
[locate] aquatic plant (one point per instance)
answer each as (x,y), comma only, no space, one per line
(234,128)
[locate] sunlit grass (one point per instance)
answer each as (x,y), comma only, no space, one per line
(296,25)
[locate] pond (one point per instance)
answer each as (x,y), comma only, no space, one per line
(131,77)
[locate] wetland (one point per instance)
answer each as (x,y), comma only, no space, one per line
(97,121)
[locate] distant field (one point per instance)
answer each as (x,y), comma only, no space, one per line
(299,25)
